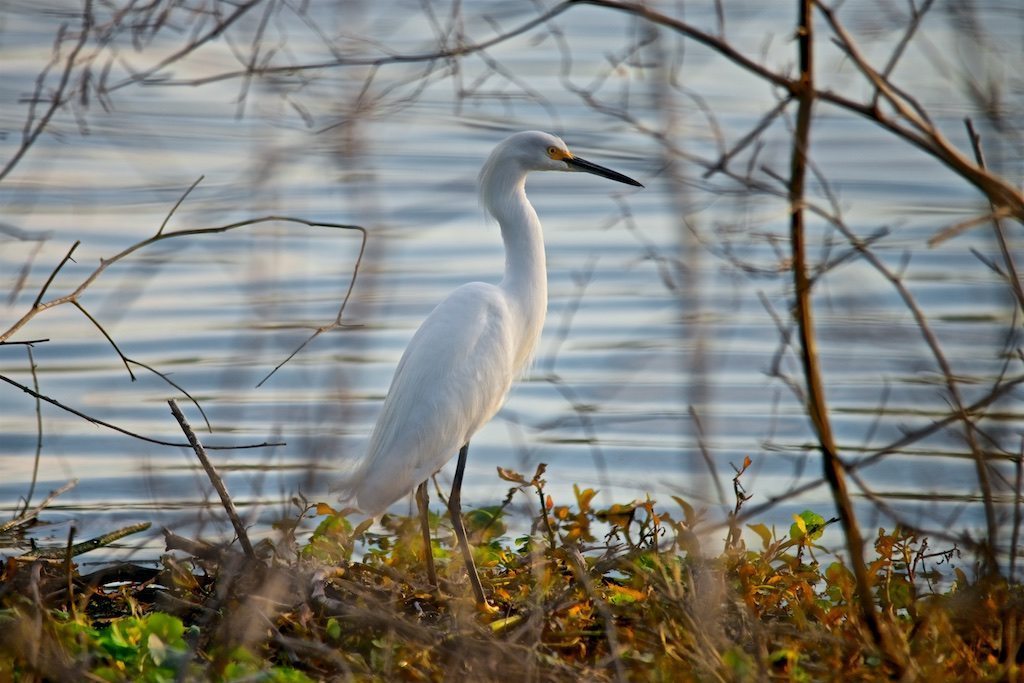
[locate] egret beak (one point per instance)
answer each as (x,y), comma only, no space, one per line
(577,164)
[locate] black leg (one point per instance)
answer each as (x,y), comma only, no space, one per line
(455,510)
(428,548)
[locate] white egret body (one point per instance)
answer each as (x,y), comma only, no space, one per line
(459,366)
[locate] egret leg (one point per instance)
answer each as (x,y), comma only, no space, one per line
(428,548)
(455,510)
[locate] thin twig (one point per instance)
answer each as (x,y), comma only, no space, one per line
(39,431)
(174,208)
(1012,276)
(177,386)
(344,302)
(40,305)
(218,483)
(49,280)
(26,517)
(85,546)
(122,430)
(106,335)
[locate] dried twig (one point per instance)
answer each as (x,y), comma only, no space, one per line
(26,517)
(61,552)
(218,483)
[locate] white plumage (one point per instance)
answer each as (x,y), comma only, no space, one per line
(457,370)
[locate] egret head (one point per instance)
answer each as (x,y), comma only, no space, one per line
(537,151)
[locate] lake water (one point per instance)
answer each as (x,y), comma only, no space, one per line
(664,302)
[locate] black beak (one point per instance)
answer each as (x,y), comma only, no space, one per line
(577,164)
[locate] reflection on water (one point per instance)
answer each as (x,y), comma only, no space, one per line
(652,322)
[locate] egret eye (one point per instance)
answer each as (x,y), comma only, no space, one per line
(552,152)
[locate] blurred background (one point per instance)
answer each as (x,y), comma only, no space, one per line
(668,355)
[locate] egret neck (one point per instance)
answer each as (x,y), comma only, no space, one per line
(503,190)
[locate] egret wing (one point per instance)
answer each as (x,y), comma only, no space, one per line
(452,378)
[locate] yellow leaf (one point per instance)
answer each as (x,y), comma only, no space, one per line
(325,509)
(584,497)
(763,531)
(621,594)
(499,625)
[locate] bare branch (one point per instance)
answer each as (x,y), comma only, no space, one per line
(96,323)
(108,425)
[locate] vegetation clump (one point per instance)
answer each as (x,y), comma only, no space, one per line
(627,592)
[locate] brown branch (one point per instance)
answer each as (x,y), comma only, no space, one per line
(461,50)
(817,405)
(921,133)
(916,16)
(998,392)
(1001,193)
(963,226)
(215,479)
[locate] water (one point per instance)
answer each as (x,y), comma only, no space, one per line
(663,302)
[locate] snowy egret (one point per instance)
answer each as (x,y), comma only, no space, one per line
(460,364)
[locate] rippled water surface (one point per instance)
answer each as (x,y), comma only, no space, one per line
(666,304)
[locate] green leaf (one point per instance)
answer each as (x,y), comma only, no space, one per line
(333,629)
(807,526)
(166,627)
